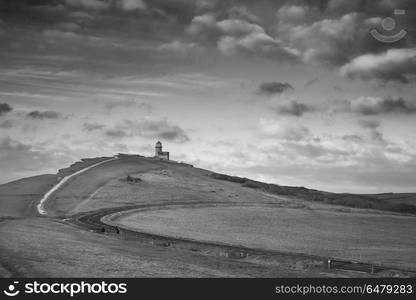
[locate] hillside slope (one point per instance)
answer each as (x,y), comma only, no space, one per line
(19,198)
(177,200)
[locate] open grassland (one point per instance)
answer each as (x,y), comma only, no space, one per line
(376,238)
(245,215)
(19,198)
(42,247)
(401,203)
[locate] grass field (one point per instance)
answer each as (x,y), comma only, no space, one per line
(377,238)
(42,246)
(19,198)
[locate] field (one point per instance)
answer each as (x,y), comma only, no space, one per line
(382,239)
(19,198)
(193,204)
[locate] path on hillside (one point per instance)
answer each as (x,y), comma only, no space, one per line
(42,201)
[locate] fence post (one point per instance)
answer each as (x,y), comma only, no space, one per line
(329,264)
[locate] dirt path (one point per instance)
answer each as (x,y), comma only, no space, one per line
(40,206)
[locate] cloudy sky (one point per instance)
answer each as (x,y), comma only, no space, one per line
(290,92)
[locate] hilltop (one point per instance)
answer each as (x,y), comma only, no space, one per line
(187,218)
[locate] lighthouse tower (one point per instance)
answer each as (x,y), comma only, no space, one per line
(159,153)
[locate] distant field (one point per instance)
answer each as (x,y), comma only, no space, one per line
(377,238)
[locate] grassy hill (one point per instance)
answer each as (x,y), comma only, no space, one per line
(196,204)
(19,198)
(401,203)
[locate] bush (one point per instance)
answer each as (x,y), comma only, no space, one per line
(131,179)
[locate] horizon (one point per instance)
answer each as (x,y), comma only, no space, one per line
(293,92)
(151,156)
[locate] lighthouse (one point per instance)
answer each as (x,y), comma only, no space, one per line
(159,152)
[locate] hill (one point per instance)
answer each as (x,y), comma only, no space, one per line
(201,214)
(400,202)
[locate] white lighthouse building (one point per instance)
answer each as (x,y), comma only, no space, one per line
(159,153)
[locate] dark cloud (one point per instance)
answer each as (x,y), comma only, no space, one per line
(334,32)
(353,138)
(372,124)
(161,129)
(271,88)
(116,133)
(40,115)
(311,82)
(126,5)
(293,108)
(148,128)
(92,126)
(377,136)
(5,108)
(375,106)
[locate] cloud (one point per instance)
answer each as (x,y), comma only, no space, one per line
(291,13)
(284,130)
(241,12)
(162,129)
(234,36)
(271,88)
(6,124)
(355,138)
(40,115)
(293,108)
(394,65)
(149,128)
(372,124)
(69,26)
(17,158)
(116,133)
(177,47)
(324,38)
(80,15)
(92,126)
(100,5)
(89,4)
(130,5)
(203,26)
(375,135)
(5,108)
(128,103)
(376,105)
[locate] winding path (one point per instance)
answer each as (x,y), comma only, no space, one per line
(40,206)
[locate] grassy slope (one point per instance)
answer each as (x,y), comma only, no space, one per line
(40,247)
(19,198)
(77,190)
(402,203)
(377,238)
(31,244)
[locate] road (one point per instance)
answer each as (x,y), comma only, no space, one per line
(42,201)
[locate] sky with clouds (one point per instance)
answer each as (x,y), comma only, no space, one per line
(291,92)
